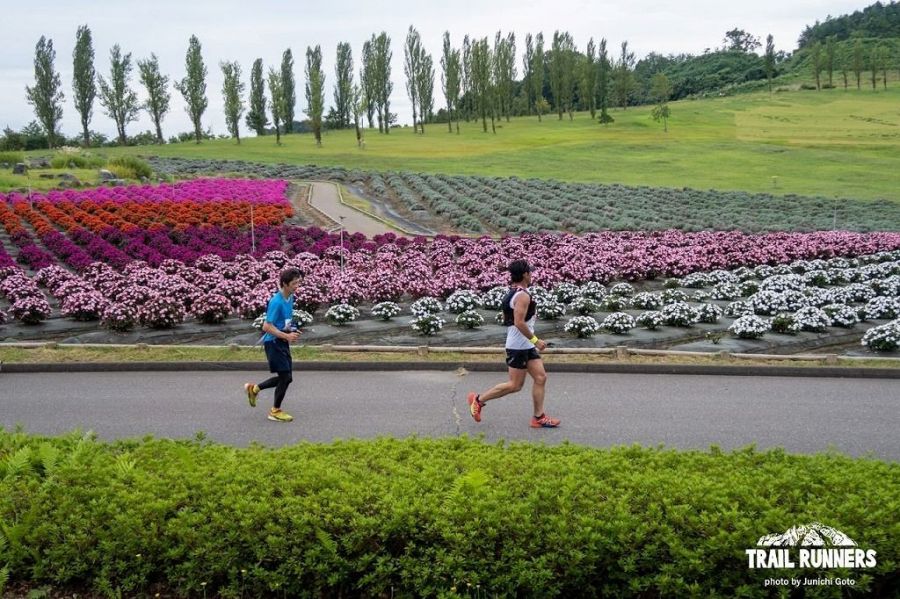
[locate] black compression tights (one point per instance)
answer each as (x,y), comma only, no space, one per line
(280,382)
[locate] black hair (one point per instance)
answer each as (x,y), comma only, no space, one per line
(517,270)
(288,275)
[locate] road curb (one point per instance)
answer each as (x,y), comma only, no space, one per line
(299,366)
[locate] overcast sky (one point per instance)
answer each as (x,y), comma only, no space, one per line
(244,31)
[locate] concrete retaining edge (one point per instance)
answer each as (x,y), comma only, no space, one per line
(299,366)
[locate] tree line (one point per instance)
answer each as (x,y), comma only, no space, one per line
(479,81)
(878,20)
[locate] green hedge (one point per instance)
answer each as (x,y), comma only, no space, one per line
(425,518)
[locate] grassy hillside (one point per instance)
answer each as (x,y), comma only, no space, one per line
(829,143)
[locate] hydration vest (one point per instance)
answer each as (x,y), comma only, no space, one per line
(508,317)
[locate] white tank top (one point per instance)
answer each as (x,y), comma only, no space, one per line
(514,337)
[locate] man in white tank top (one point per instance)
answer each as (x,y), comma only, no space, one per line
(522,345)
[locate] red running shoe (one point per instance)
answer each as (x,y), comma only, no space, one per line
(474,406)
(544,422)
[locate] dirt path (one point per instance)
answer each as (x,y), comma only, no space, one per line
(326,198)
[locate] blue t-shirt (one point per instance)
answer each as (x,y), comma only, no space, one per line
(279,313)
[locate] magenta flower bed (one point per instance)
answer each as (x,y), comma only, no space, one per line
(257,191)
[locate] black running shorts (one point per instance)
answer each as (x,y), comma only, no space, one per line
(519,358)
(278,353)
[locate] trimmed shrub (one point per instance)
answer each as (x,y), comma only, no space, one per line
(427,324)
(470,319)
(582,326)
(385,310)
(129,165)
(749,327)
(367,517)
(341,314)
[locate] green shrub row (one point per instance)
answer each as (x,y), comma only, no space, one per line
(79,160)
(11,158)
(425,518)
(129,167)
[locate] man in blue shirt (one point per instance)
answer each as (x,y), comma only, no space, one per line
(279,334)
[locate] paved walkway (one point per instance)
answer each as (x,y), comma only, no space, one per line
(852,416)
(325,198)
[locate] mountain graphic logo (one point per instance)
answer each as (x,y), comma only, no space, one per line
(807,535)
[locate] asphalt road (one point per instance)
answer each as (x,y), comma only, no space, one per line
(809,415)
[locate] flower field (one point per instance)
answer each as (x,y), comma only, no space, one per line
(157,256)
(477,204)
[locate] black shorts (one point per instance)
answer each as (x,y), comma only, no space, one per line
(278,353)
(519,358)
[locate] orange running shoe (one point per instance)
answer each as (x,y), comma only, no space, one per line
(474,406)
(544,422)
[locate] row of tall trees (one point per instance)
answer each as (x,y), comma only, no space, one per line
(479,81)
(846,58)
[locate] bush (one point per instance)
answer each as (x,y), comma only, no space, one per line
(85,160)
(122,165)
(11,158)
(385,310)
(885,337)
(618,323)
(462,301)
(650,320)
(785,324)
(425,306)
(341,314)
(550,310)
(749,327)
(367,517)
(470,319)
(582,326)
(427,324)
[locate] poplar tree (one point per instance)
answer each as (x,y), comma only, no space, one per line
(412,57)
(623,77)
(343,85)
(450,81)
(527,72)
(84,85)
(482,86)
(193,86)
(315,90)
(468,100)
(505,71)
(116,95)
(46,96)
(277,104)
(158,96)
(589,78)
(425,82)
(368,80)
(829,59)
(562,76)
(256,116)
(858,63)
(815,60)
(384,87)
(603,81)
(288,90)
(770,60)
(232,90)
(537,70)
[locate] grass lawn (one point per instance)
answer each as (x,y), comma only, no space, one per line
(830,143)
(33,179)
(162,353)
